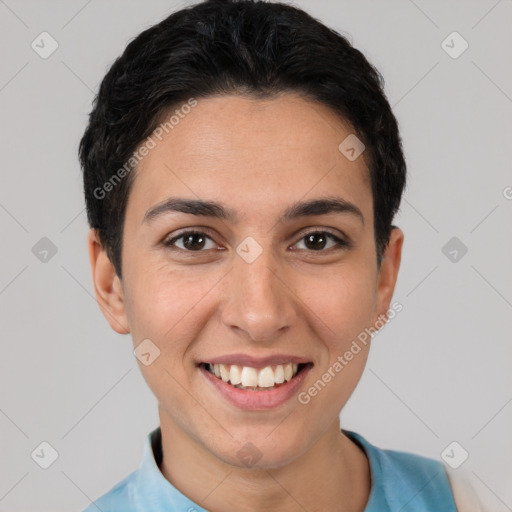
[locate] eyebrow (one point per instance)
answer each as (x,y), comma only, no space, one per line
(215,210)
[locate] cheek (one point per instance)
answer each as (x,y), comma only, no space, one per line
(166,307)
(341,307)
(342,302)
(161,300)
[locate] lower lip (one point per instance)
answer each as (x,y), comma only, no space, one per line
(257,400)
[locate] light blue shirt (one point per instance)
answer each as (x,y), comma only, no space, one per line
(401,481)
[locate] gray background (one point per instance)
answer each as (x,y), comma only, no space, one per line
(439,372)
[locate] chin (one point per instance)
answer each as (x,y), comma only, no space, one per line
(260,451)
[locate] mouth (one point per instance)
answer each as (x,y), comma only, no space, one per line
(255,383)
(249,378)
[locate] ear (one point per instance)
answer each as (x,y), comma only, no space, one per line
(107,285)
(388,273)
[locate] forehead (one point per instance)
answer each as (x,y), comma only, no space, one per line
(256,155)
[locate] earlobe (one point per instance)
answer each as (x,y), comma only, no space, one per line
(388,273)
(107,285)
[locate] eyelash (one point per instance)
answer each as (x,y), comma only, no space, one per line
(340,244)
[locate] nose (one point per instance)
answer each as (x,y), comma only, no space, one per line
(259,301)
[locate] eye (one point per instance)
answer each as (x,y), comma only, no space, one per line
(197,241)
(317,241)
(193,241)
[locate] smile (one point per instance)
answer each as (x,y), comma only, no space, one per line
(253,379)
(255,383)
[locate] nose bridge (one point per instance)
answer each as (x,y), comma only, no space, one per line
(258,301)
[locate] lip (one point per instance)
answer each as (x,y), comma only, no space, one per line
(257,362)
(256,400)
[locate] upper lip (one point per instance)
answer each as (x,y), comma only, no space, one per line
(257,362)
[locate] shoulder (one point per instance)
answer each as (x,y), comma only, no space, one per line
(403,480)
(118,499)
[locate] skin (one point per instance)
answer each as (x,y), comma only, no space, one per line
(256,157)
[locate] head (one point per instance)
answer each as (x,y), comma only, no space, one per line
(253,115)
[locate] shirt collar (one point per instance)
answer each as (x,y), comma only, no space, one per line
(376,500)
(152,490)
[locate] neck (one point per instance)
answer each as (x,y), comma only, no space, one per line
(334,474)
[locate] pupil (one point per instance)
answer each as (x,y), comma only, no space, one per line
(311,237)
(191,245)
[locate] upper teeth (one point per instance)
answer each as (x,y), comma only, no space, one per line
(248,376)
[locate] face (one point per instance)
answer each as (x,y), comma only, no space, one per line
(260,280)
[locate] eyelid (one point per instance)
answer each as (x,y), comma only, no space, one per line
(186,231)
(342,241)
(319,229)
